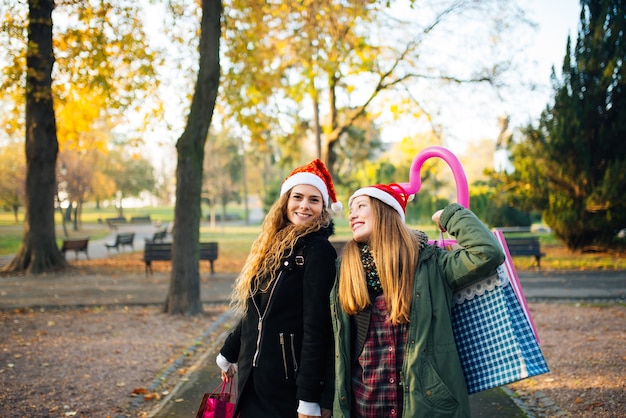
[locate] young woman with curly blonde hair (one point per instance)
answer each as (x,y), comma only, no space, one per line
(279,348)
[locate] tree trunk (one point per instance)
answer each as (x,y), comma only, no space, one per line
(75,210)
(65,234)
(331,153)
(39,252)
(245,188)
(184,292)
(224,212)
(317,128)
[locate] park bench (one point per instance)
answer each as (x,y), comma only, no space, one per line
(140,219)
(162,251)
(158,236)
(339,245)
(511,229)
(114,222)
(76,245)
(122,239)
(525,246)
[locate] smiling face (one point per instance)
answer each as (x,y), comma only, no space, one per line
(305,204)
(361,218)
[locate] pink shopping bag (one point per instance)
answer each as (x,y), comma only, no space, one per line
(217,404)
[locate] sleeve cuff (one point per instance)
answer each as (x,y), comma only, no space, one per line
(223,363)
(449,210)
(309,408)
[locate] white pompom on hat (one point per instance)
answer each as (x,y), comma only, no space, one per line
(392,195)
(314,174)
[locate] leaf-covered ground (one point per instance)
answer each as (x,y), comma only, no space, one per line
(585,347)
(94,362)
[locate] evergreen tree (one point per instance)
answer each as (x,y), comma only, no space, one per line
(574,163)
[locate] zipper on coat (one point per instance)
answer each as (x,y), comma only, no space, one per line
(261,317)
(259,327)
(282,347)
(293,355)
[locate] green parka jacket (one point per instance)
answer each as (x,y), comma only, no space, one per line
(431,377)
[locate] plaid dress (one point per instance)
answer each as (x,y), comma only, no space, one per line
(376,378)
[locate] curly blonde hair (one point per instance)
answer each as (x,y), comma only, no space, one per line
(395,249)
(277,239)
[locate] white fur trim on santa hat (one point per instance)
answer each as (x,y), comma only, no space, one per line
(380,195)
(305,178)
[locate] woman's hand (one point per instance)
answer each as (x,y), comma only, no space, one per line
(229,374)
(228,369)
(435,219)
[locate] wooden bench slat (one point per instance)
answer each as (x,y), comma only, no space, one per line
(339,246)
(525,246)
(158,236)
(125,238)
(76,245)
(162,251)
(140,219)
(114,222)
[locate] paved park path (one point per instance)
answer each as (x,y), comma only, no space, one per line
(138,288)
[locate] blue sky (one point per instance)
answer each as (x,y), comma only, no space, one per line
(467,118)
(556,20)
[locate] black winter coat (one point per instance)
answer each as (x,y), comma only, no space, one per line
(286,361)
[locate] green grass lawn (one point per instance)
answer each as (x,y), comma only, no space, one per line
(235,239)
(93,224)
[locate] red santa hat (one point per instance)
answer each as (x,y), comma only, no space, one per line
(393,195)
(314,174)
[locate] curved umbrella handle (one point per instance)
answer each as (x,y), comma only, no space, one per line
(415,182)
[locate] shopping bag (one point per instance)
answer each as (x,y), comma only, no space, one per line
(217,404)
(494,332)
(495,340)
(514,280)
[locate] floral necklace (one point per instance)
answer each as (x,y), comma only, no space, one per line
(371,273)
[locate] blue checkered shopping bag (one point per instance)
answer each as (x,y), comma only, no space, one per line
(494,333)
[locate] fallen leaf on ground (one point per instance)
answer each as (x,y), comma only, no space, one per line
(151,396)
(140,391)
